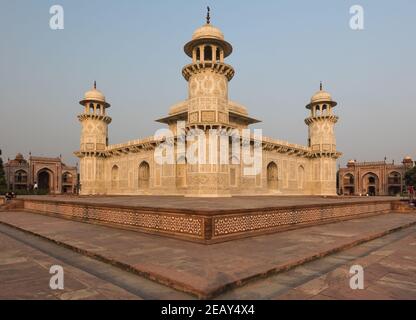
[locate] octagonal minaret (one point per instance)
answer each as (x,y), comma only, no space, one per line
(321,122)
(208,76)
(322,142)
(94,141)
(207,106)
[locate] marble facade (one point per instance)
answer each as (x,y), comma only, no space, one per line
(130,168)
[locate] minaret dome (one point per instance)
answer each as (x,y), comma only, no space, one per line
(94,95)
(321,96)
(206,37)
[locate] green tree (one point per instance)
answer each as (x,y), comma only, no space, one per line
(410,177)
(2,175)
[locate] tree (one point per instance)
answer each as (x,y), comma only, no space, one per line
(2,175)
(410,177)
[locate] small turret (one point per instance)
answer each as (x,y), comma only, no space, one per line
(408,162)
(322,142)
(321,122)
(94,141)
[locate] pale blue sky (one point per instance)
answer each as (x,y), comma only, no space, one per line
(282,49)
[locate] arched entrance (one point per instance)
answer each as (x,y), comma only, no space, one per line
(45,180)
(144,175)
(272,176)
(371,190)
(114,177)
(370,183)
(67,182)
(348,184)
(394,183)
(20,180)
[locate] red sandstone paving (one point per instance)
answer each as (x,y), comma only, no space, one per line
(328,272)
(389,273)
(24,274)
(203,268)
(180,202)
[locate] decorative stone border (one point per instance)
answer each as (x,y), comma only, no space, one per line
(205,226)
(176,224)
(273,218)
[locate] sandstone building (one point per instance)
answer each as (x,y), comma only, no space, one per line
(51,174)
(373,178)
(130,168)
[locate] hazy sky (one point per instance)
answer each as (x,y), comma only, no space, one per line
(282,49)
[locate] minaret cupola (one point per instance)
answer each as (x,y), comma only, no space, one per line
(95,121)
(208,44)
(94,102)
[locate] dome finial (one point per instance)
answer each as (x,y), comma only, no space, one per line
(320,86)
(95,84)
(208,15)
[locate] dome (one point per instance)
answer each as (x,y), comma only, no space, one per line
(18,160)
(208,31)
(321,96)
(208,34)
(351,163)
(236,107)
(94,95)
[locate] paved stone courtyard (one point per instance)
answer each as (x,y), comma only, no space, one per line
(390,273)
(311,262)
(24,274)
(389,266)
(25,261)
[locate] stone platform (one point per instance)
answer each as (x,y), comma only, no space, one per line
(207,271)
(208,220)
